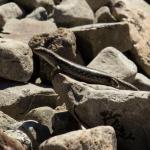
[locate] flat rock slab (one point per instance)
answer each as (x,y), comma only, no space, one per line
(16,99)
(99,138)
(113,62)
(23,30)
(15,60)
(127,111)
(93,38)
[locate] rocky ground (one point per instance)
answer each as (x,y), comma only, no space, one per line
(38,112)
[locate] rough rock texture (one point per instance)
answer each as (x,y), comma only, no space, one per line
(99,138)
(127,111)
(39,13)
(73,13)
(31,4)
(137,13)
(96,4)
(63,42)
(16,60)
(142,82)
(58,122)
(114,63)
(93,38)
(8,11)
(23,30)
(6,121)
(16,99)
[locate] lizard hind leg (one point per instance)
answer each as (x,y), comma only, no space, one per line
(55,71)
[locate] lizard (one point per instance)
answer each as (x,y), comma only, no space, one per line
(80,72)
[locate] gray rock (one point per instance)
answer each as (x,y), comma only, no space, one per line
(32,4)
(96,4)
(127,111)
(103,15)
(93,38)
(39,13)
(16,60)
(58,122)
(16,99)
(73,13)
(6,121)
(99,138)
(114,63)
(8,11)
(142,82)
(23,30)
(137,14)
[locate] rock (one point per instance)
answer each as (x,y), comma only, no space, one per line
(58,122)
(93,38)
(99,138)
(36,132)
(6,121)
(137,14)
(39,13)
(17,56)
(23,30)
(63,42)
(17,99)
(96,4)
(8,11)
(126,111)
(114,63)
(32,4)
(73,13)
(21,137)
(10,143)
(104,15)
(142,82)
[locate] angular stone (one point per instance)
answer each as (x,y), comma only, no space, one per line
(114,63)
(99,138)
(23,30)
(96,4)
(142,82)
(127,111)
(16,99)
(39,13)
(31,4)
(16,60)
(9,11)
(73,13)
(6,121)
(103,15)
(137,14)
(93,38)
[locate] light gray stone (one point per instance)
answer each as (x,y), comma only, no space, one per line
(96,4)
(23,30)
(6,121)
(137,14)
(17,99)
(127,111)
(39,13)
(73,13)
(8,11)
(142,82)
(103,15)
(114,63)
(99,138)
(16,60)
(93,38)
